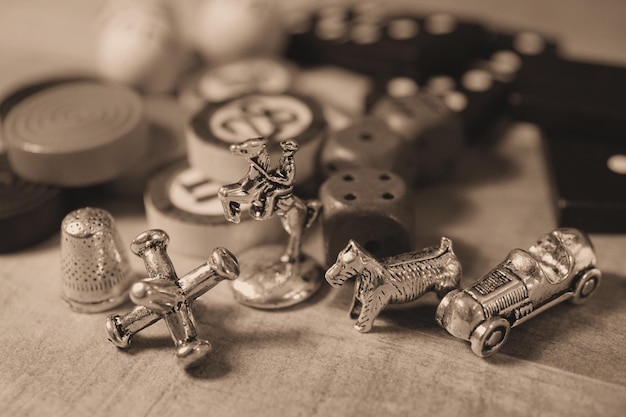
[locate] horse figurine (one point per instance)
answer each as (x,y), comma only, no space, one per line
(270,191)
(396,279)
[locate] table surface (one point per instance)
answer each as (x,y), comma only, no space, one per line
(308,360)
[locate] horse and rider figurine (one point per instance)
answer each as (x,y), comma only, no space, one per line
(269,191)
(272,277)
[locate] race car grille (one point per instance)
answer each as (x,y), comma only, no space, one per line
(507,299)
(493,281)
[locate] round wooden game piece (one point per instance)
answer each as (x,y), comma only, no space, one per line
(275,116)
(251,75)
(227,30)
(29,212)
(74,133)
(138,44)
(180,200)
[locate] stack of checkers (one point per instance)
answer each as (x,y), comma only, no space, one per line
(58,134)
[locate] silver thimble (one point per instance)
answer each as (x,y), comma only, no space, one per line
(95,270)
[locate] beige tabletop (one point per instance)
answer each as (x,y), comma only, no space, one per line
(308,360)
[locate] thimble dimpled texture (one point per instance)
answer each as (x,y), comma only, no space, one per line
(96,273)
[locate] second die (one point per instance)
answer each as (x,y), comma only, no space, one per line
(370,206)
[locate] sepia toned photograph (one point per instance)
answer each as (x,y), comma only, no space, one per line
(299,208)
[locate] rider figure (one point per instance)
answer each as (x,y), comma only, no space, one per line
(279,182)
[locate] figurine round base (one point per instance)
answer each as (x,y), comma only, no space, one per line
(268,283)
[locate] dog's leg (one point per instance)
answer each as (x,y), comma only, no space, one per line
(376,300)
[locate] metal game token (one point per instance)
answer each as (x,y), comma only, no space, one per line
(94,265)
(397,279)
(272,277)
(560,266)
(163,295)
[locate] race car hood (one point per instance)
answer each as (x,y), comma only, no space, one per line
(459,314)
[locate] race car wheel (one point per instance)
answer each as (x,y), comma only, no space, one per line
(490,336)
(586,286)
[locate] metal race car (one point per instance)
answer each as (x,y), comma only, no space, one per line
(560,266)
